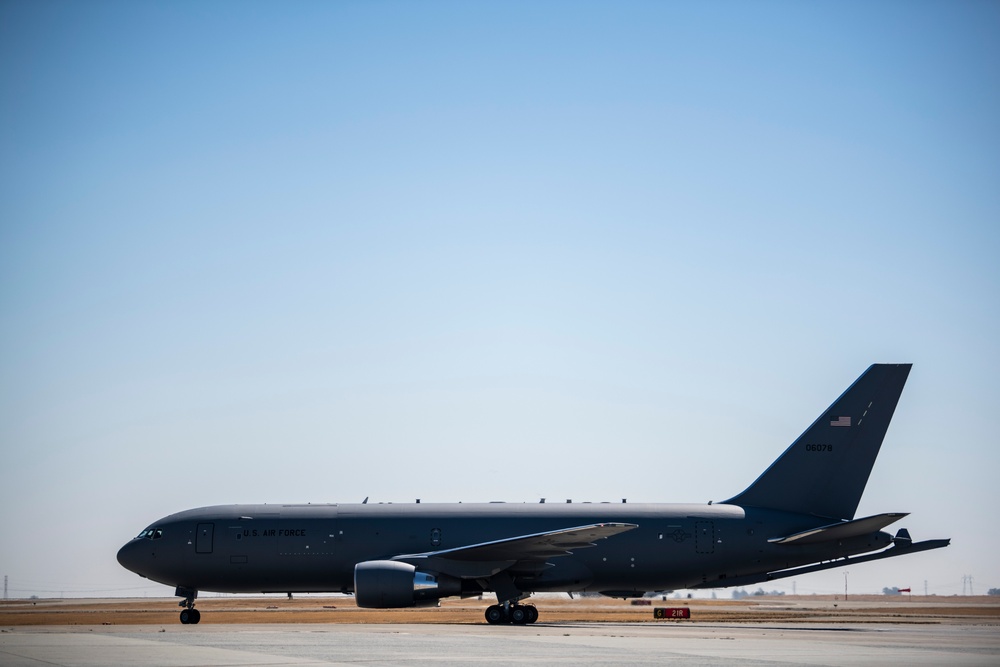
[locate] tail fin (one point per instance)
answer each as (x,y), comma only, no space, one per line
(824,472)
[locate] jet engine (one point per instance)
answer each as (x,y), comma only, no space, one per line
(386,584)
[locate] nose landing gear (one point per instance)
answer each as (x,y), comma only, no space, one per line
(189,615)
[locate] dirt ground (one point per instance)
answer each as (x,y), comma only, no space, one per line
(981,610)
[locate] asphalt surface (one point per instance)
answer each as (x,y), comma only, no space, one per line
(591,644)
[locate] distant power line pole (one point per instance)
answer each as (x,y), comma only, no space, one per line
(5,587)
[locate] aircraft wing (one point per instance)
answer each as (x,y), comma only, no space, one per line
(841,530)
(521,552)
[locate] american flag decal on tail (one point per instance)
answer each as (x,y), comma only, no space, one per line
(841,421)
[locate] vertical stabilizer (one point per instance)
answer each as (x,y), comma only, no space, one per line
(824,472)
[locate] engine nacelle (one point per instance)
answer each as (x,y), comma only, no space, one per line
(387,584)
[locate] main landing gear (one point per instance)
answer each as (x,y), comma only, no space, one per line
(189,615)
(518,614)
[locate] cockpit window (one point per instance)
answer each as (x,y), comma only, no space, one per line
(150,534)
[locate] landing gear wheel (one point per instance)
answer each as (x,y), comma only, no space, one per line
(518,615)
(495,615)
(190,617)
(532,613)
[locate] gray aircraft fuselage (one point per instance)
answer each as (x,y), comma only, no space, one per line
(314,548)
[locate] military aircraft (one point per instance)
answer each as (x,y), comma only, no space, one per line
(797,517)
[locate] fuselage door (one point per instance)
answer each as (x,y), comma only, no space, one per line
(704,537)
(203,541)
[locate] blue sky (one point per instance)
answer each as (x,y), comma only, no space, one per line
(253,252)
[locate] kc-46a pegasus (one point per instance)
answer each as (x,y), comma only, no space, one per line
(797,517)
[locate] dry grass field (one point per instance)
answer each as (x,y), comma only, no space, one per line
(553,609)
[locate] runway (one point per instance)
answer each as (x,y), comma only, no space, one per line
(591,644)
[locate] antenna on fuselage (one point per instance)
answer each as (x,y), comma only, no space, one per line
(365,501)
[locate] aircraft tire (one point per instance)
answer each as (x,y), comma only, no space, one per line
(532,613)
(518,615)
(186,616)
(495,615)
(196,617)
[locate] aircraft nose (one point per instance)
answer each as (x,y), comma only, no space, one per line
(130,558)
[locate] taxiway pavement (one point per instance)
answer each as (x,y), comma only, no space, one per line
(593,644)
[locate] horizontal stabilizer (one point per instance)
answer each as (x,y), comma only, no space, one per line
(897,549)
(841,530)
